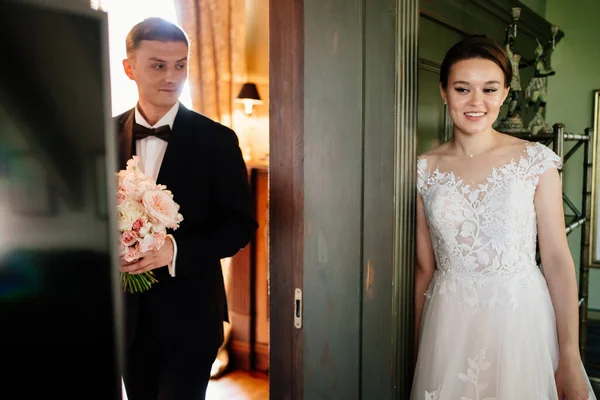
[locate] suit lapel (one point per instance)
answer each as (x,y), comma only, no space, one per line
(179,131)
(126,147)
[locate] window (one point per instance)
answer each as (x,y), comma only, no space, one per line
(122,16)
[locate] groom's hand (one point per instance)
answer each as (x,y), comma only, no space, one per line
(150,260)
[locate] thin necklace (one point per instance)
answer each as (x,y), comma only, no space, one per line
(470,154)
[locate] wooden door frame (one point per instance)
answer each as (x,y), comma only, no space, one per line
(286,194)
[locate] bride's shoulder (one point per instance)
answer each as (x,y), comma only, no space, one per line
(518,147)
(511,141)
(438,151)
(539,156)
(434,154)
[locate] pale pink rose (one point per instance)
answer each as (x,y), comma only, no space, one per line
(142,186)
(161,207)
(131,254)
(159,239)
(128,238)
(134,182)
(130,186)
(147,243)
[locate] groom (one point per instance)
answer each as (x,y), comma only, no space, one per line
(175,329)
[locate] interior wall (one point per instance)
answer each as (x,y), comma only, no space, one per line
(570,97)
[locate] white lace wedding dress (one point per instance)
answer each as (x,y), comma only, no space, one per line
(488,327)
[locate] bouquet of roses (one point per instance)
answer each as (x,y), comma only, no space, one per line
(145,211)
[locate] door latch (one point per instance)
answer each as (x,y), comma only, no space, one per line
(298,308)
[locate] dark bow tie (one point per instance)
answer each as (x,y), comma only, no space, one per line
(141,132)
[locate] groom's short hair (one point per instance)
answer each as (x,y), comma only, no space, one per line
(153,28)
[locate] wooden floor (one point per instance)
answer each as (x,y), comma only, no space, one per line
(239,385)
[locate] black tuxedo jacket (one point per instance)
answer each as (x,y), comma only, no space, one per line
(204,169)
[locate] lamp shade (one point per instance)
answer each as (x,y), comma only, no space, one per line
(249,92)
(249,96)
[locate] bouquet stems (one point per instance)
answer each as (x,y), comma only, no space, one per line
(137,283)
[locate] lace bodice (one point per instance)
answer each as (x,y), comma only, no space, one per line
(486,230)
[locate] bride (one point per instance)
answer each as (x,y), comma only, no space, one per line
(490,325)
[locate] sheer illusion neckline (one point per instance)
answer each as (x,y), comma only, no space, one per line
(494,172)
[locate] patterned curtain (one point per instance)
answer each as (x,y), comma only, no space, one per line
(217,53)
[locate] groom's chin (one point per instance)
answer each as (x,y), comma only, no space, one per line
(168,97)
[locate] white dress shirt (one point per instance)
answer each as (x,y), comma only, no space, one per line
(151,151)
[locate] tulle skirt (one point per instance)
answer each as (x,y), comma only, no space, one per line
(492,340)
